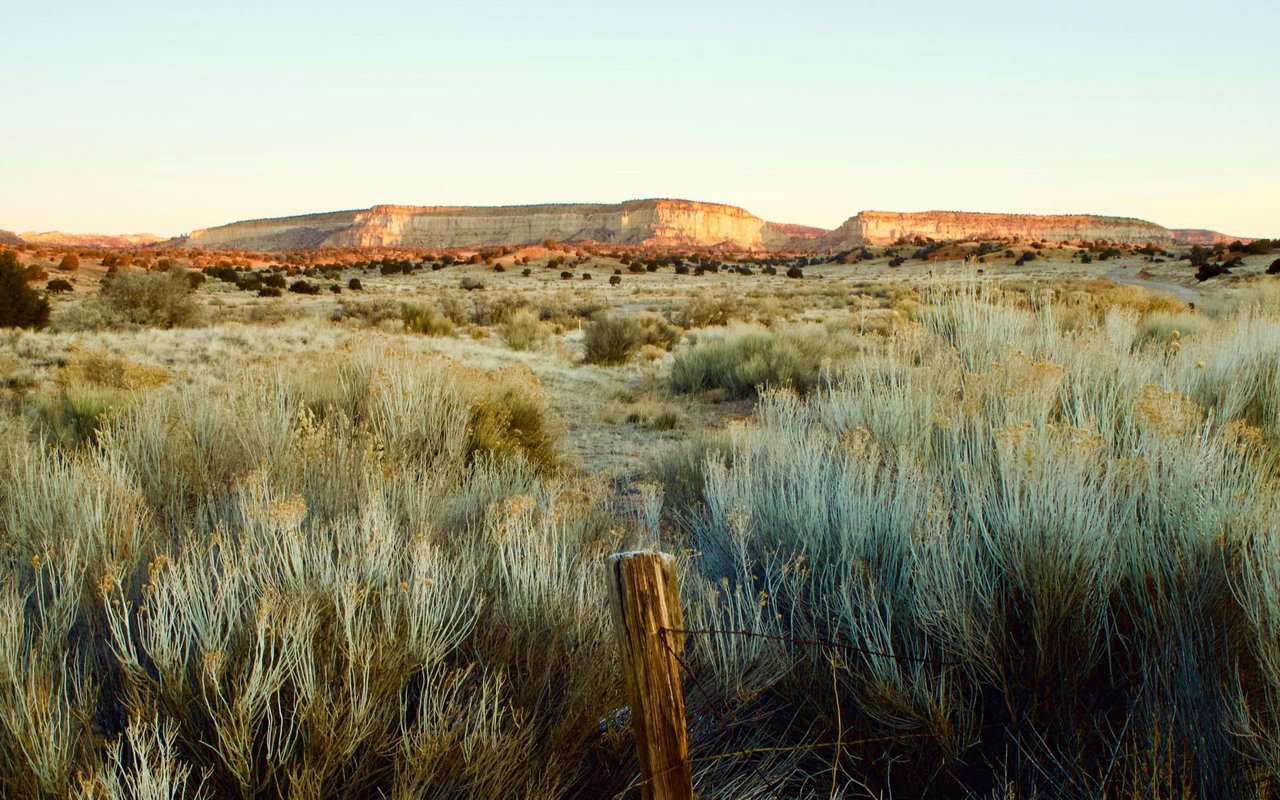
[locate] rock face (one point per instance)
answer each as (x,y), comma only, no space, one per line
(659,223)
(1200,236)
(9,237)
(91,240)
(886,227)
(783,236)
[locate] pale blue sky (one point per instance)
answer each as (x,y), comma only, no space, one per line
(167,116)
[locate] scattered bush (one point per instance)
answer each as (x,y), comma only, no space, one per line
(20,305)
(151,299)
(522,330)
(355,285)
(58,286)
(426,319)
(742,360)
(70,263)
(614,339)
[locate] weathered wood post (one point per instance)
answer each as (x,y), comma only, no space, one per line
(646,601)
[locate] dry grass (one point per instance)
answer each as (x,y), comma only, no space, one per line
(317,555)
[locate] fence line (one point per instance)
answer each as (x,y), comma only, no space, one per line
(813,643)
(646,606)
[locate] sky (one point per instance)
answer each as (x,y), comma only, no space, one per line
(163,117)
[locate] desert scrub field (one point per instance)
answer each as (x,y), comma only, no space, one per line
(349,547)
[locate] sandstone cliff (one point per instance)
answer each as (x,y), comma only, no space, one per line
(1205,237)
(90,240)
(676,223)
(885,227)
(662,223)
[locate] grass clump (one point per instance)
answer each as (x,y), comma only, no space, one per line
(132,298)
(614,339)
(426,319)
(510,419)
(522,330)
(743,359)
(89,387)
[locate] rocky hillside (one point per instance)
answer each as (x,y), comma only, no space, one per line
(89,240)
(1205,237)
(886,227)
(658,223)
(9,237)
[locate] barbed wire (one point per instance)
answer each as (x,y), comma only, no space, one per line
(769,784)
(813,643)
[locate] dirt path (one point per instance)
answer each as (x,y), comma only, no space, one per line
(1183,293)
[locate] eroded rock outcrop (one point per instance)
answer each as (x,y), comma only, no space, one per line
(90,240)
(644,222)
(1186,236)
(887,227)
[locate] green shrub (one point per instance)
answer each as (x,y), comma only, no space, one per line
(151,299)
(745,359)
(509,418)
(522,330)
(20,305)
(614,339)
(58,286)
(706,310)
(426,319)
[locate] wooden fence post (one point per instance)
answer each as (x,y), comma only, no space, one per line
(646,600)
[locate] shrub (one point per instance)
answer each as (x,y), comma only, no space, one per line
(269,291)
(1274,269)
(526,272)
(1208,271)
(20,305)
(615,280)
(987,491)
(35,272)
(745,359)
(426,319)
(274,280)
(566,275)
(152,299)
(522,330)
(58,286)
(614,339)
(509,419)
(70,263)
(304,287)
(706,310)
(355,285)
(795,272)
